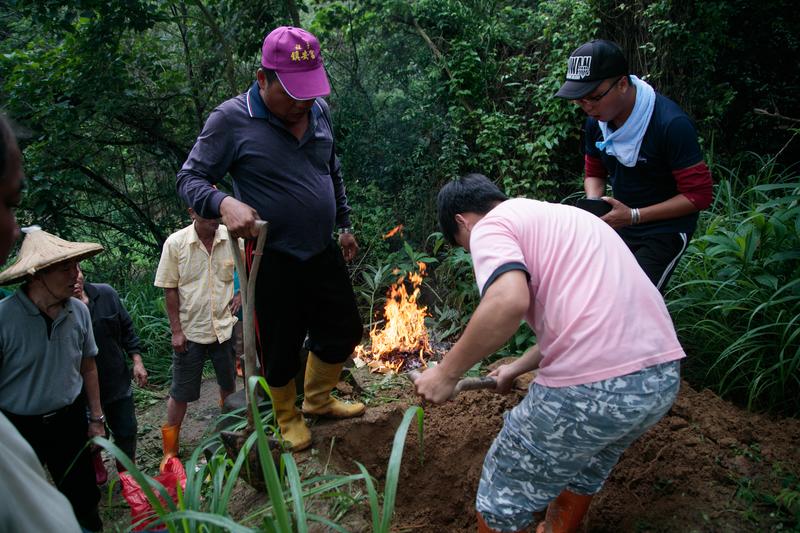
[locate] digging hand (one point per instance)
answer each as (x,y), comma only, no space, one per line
(434,385)
(504,376)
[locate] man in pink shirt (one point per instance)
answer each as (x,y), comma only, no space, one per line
(607,351)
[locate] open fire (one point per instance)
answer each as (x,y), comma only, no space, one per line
(402,345)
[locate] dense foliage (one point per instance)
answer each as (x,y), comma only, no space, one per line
(736,296)
(110,96)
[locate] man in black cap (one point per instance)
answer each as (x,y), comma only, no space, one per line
(647,147)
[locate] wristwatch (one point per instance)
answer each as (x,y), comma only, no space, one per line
(348,229)
(99,420)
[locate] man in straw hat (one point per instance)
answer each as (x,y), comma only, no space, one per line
(27,499)
(47,352)
(277,142)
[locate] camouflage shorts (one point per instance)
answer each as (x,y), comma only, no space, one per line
(568,437)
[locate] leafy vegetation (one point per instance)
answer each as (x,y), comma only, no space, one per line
(203,504)
(736,295)
(145,304)
(110,96)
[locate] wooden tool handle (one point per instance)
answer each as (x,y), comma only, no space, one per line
(484,382)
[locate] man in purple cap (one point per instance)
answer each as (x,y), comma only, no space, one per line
(276,140)
(646,146)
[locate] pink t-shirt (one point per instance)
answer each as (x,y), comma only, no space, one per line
(595,313)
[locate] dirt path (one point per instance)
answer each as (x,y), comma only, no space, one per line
(707,466)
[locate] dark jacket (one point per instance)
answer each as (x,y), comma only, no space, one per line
(279,176)
(116,341)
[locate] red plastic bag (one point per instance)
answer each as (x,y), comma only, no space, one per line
(100,472)
(140,507)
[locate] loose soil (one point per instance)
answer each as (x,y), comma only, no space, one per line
(707,466)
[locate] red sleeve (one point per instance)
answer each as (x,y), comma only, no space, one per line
(695,184)
(593,167)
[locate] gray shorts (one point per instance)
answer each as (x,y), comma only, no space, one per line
(187,369)
(568,438)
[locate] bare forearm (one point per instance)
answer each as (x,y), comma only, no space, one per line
(594,187)
(172,300)
(91,386)
(495,320)
(529,361)
(675,207)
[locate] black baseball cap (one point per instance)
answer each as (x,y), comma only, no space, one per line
(589,65)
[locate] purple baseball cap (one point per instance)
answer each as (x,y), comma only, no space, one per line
(293,53)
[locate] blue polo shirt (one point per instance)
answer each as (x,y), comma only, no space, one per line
(40,374)
(295,185)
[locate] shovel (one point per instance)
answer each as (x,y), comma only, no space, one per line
(483,382)
(233,441)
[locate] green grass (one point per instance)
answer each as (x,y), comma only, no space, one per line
(735,298)
(145,304)
(203,505)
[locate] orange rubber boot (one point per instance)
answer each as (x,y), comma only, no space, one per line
(170,440)
(565,513)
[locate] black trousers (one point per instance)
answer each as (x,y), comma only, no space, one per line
(295,299)
(658,255)
(121,421)
(58,440)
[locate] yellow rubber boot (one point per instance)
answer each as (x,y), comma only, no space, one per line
(565,513)
(321,378)
(290,420)
(170,436)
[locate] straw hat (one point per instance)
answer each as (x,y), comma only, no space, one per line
(40,250)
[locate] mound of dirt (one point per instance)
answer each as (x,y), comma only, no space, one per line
(699,469)
(682,475)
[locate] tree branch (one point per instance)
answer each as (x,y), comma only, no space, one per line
(71,213)
(198,111)
(116,193)
(764,112)
(215,29)
(293,12)
(440,59)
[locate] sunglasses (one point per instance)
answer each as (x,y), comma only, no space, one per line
(597,98)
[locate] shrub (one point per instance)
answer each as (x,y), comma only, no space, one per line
(736,295)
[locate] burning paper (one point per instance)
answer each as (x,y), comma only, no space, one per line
(402,344)
(394,231)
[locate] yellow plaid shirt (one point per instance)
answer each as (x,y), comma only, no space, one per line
(204,282)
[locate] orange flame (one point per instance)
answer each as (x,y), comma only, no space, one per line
(394,231)
(404,330)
